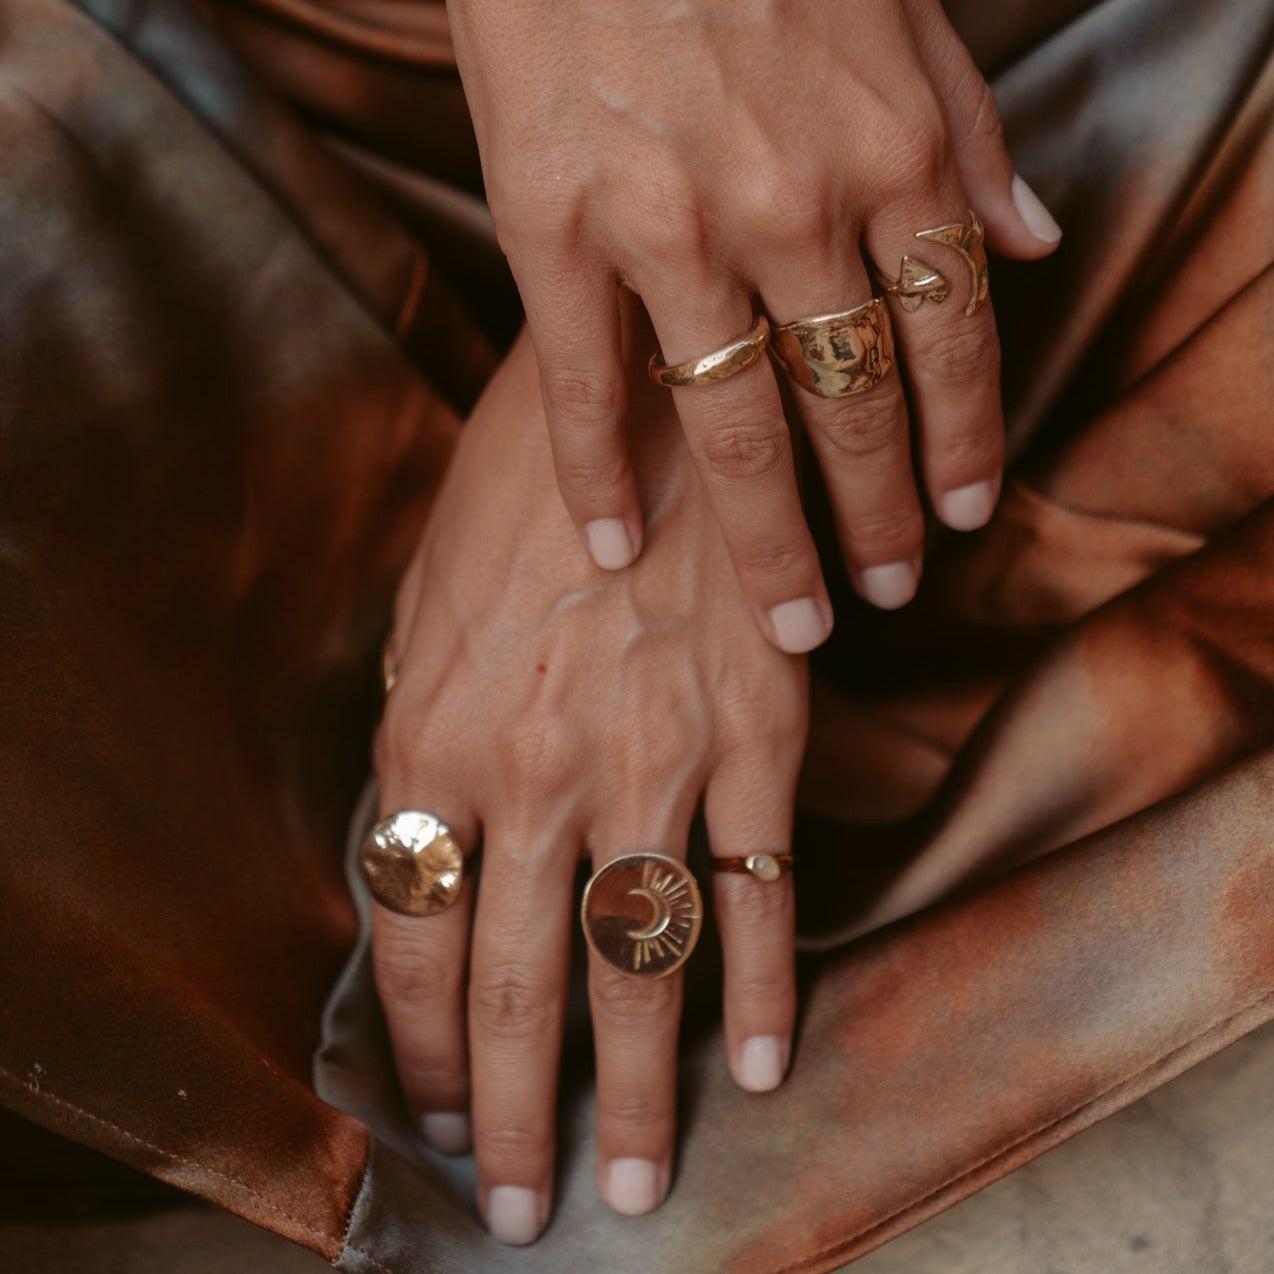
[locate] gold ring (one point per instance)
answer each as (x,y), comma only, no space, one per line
(413,864)
(728,361)
(388,667)
(919,281)
(764,867)
(642,914)
(835,355)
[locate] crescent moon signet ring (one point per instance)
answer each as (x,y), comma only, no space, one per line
(642,914)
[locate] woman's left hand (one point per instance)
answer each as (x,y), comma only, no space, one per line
(711,152)
(556,711)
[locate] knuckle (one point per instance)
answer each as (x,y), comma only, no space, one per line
(649,751)
(774,559)
(746,449)
(633,1001)
(668,225)
(508,1005)
(595,475)
(886,529)
(986,125)
(520,1142)
(967,352)
(917,153)
(424,1078)
(635,1110)
(762,908)
(972,451)
(409,975)
(410,737)
(865,427)
(766,721)
(584,397)
(536,756)
(784,208)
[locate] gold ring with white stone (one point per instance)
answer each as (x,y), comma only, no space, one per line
(766,868)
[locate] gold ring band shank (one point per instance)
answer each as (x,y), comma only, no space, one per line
(721,364)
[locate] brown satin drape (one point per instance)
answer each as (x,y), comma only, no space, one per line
(246,289)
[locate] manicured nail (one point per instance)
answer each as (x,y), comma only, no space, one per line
(889,586)
(762,1061)
(634,1186)
(1039,221)
(609,543)
(967,508)
(447,1131)
(513,1214)
(799,626)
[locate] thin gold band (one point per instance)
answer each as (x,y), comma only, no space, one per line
(721,364)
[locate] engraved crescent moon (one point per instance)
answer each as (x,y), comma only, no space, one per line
(661,915)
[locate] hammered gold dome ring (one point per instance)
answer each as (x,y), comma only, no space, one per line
(413,864)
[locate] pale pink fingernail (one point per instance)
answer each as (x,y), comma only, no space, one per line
(513,1214)
(762,1061)
(609,543)
(967,508)
(447,1131)
(1039,221)
(889,586)
(799,626)
(634,1186)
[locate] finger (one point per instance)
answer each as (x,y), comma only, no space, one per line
(517,996)
(635,1027)
(740,442)
(862,440)
(573,317)
(419,964)
(748,806)
(951,358)
(1017,222)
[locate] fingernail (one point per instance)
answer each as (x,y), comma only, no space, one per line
(513,1214)
(633,1186)
(1039,221)
(447,1131)
(762,1061)
(889,586)
(799,626)
(967,508)
(609,543)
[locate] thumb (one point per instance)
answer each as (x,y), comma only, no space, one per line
(1016,220)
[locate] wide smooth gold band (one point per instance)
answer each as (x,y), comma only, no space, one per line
(721,364)
(764,867)
(835,355)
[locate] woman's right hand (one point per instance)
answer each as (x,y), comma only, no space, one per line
(716,154)
(557,711)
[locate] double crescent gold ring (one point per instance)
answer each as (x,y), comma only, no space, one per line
(766,868)
(412,863)
(642,914)
(918,281)
(835,355)
(721,364)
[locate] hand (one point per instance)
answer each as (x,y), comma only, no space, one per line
(557,711)
(703,151)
